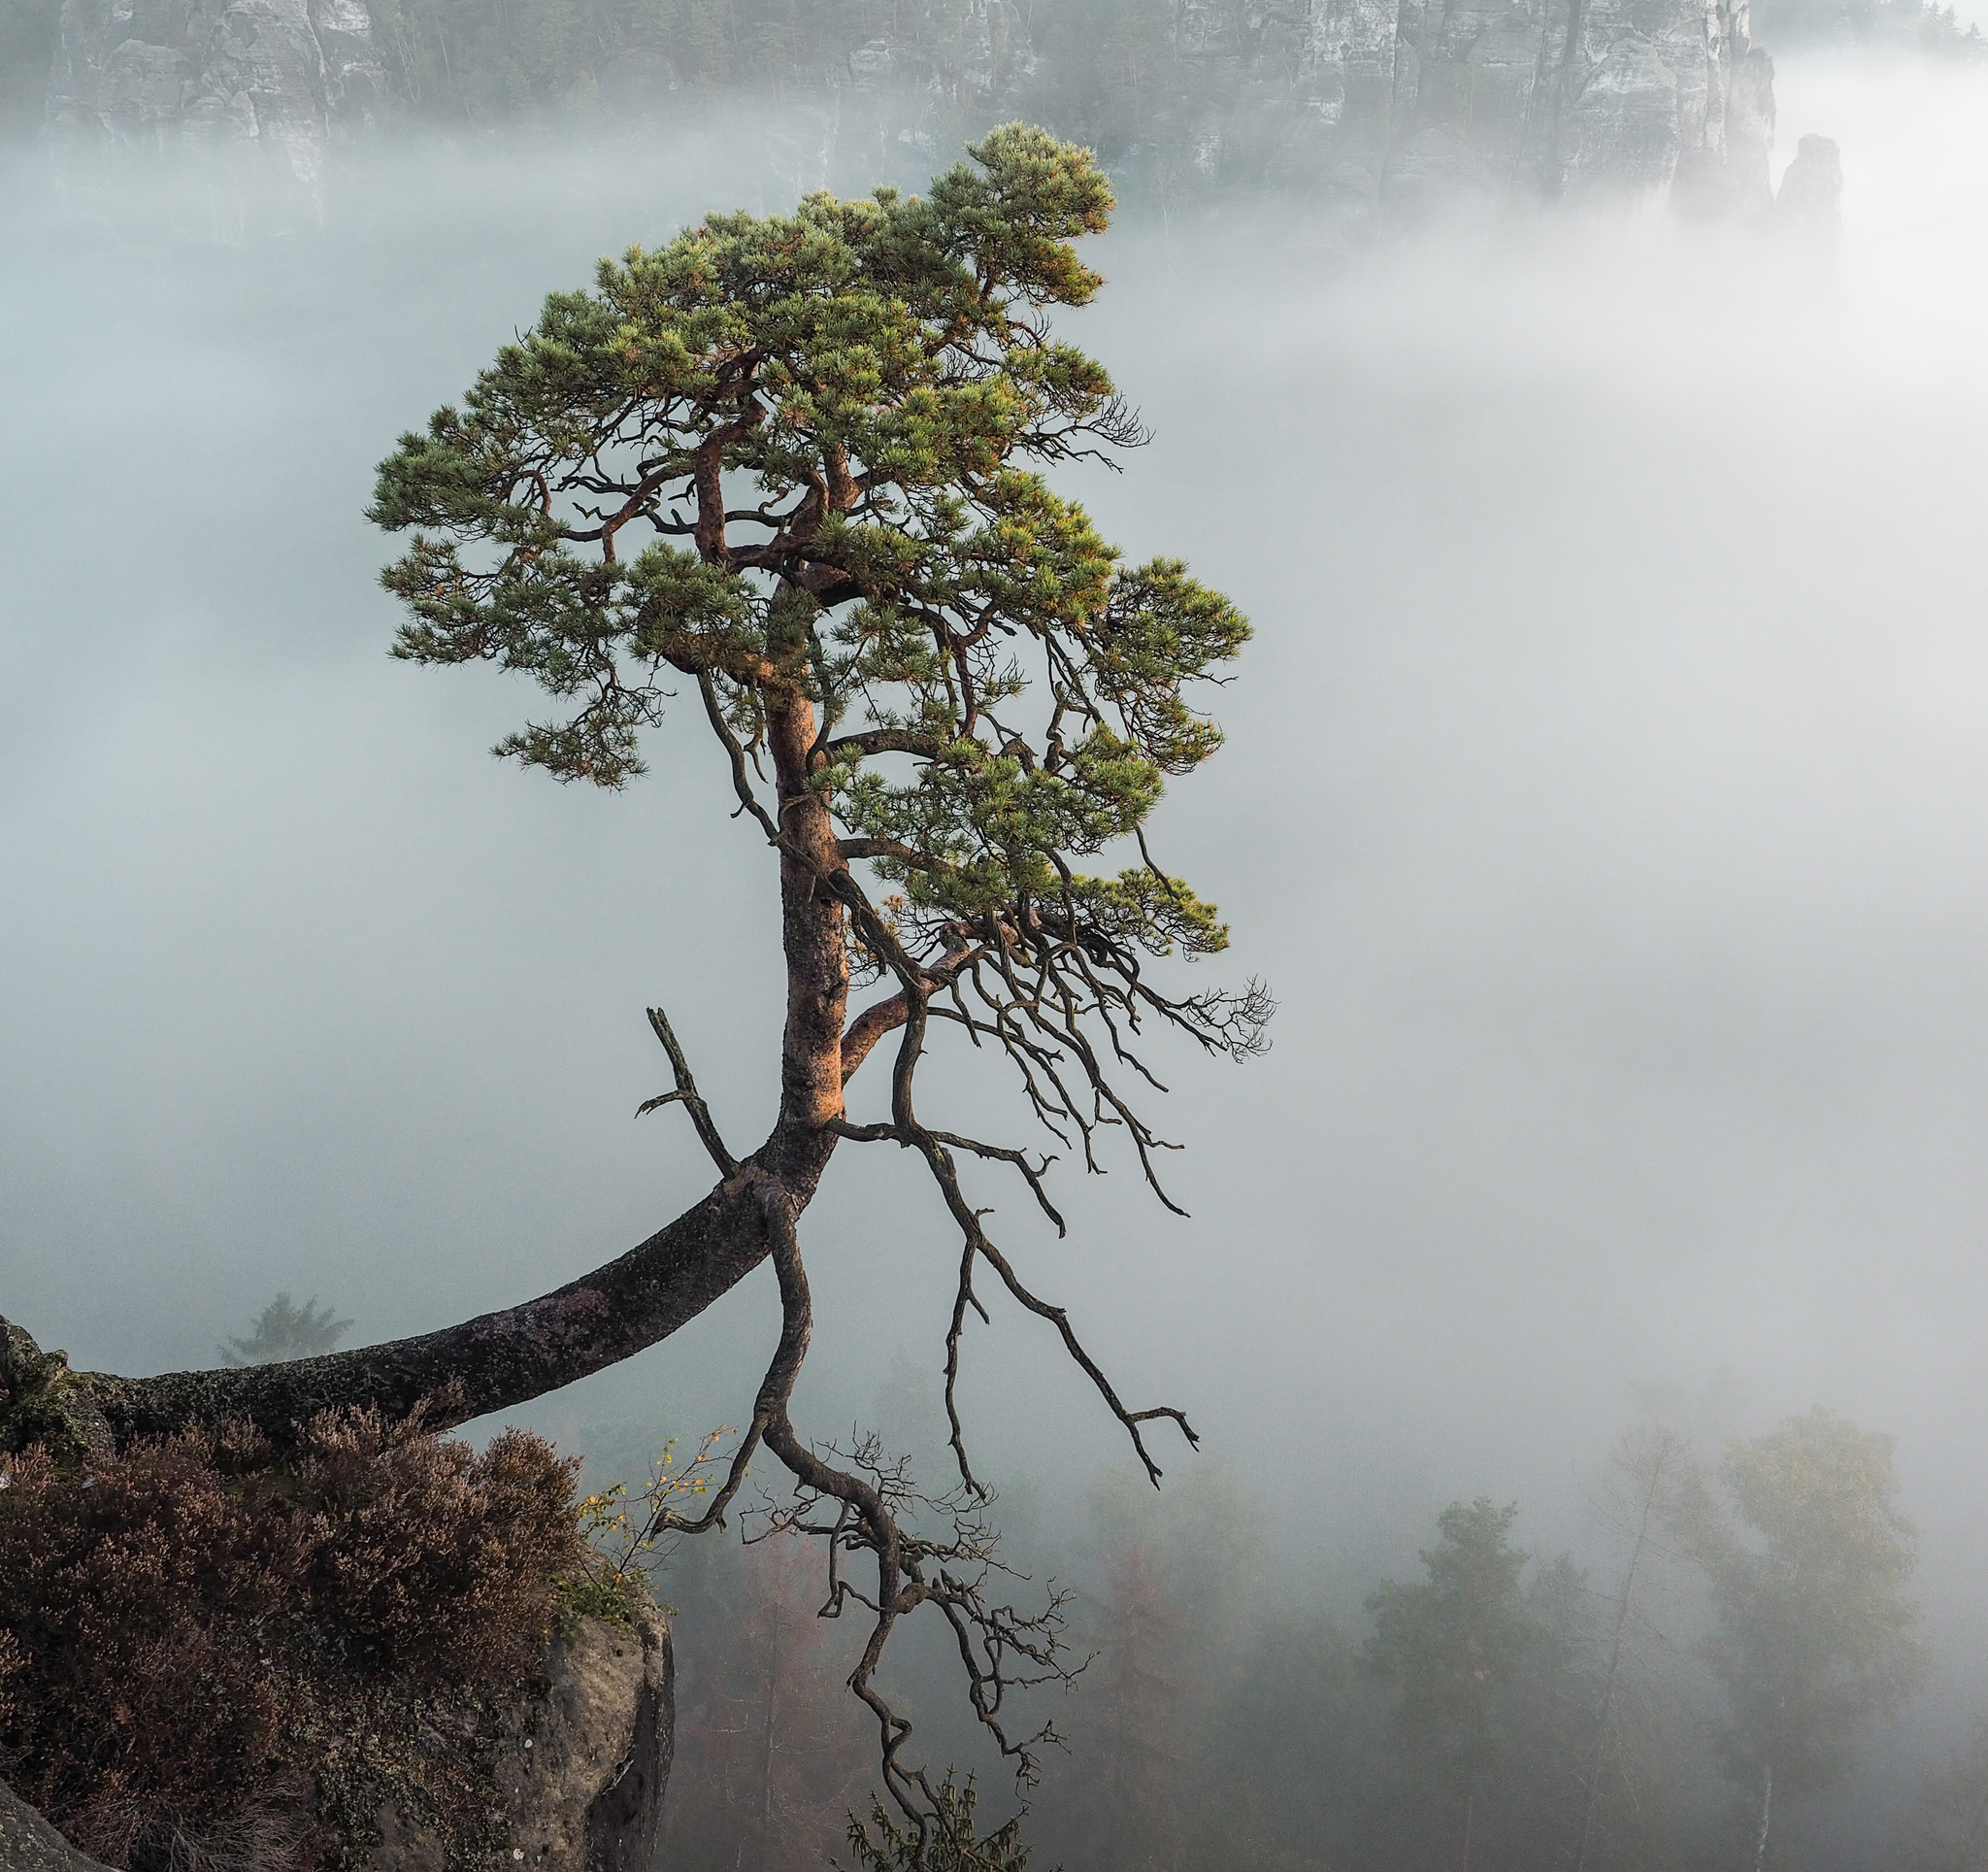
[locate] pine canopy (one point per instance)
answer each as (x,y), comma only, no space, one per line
(803,454)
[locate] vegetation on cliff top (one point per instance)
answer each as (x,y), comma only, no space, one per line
(213,1657)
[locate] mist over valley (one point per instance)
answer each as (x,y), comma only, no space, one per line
(1604,800)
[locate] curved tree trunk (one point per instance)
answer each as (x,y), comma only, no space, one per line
(492,1362)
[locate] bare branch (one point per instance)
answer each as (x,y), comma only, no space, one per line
(887,1015)
(749,800)
(1031,1173)
(1001,1649)
(686,1091)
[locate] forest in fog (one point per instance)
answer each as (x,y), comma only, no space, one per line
(1574,1289)
(1614,1709)
(1732,1647)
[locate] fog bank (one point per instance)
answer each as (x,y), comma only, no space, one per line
(1607,802)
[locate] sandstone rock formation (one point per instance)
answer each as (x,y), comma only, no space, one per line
(1377,112)
(247,94)
(1372,110)
(1389,107)
(29,1844)
(1811,197)
(582,1769)
(588,1772)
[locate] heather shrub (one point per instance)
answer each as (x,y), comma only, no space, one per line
(132,1688)
(426,1558)
(192,1636)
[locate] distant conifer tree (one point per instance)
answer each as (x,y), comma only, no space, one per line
(285,1330)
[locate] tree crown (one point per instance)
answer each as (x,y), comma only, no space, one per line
(1452,1641)
(802,454)
(1816,1631)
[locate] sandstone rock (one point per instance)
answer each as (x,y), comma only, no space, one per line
(247,94)
(582,1770)
(29,1844)
(1811,197)
(590,1771)
(1381,107)
(1371,112)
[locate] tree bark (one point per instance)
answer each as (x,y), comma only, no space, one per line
(811,928)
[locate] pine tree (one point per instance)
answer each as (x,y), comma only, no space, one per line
(283,1331)
(1450,1643)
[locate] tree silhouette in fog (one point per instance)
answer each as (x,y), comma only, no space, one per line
(771,1761)
(1816,1637)
(283,1330)
(1450,1644)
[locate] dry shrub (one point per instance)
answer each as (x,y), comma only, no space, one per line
(12,1664)
(190,1634)
(430,1561)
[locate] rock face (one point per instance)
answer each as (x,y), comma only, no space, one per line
(590,1772)
(29,1844)
(1811,197)
(1371,111)
(582,1771)
(249,94)
(1387,107)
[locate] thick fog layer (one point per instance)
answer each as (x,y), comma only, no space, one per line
(1606,802)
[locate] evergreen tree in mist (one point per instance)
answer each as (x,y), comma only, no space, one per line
(1529,1811)
(283,1330)
(1302,1753)
(771,1755)
(1450,1644)
(1816,1637)
(1920,26)
(1136,1754)
(1172,1595)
